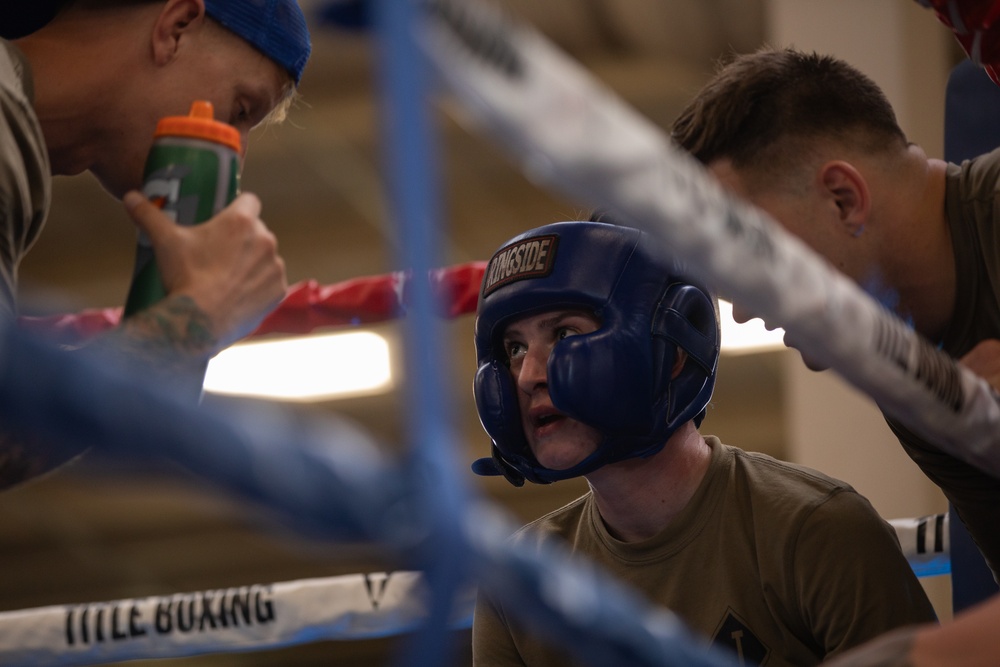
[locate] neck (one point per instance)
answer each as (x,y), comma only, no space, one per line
(73,61)
(639,498)
(917,249)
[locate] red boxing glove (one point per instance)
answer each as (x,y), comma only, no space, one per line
(976,26)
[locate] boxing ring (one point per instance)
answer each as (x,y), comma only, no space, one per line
(509,82)
(272,615)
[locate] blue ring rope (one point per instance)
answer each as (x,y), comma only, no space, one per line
(412,166)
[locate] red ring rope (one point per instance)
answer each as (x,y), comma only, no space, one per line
(307,305)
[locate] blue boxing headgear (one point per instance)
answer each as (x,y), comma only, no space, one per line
(616,379)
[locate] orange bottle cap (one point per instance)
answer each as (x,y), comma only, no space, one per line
(199,124)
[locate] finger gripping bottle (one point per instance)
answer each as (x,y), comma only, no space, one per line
(191,173)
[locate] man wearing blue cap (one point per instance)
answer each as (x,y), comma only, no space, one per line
(82,86)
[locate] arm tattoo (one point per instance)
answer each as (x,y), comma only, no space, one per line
(168,344)
(23,459)
(172,339)
(17,462)
(173,326)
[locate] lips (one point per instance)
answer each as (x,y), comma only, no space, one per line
(544,419)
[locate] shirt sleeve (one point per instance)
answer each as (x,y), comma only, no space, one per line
(25,181)
(852,580)
(975,494)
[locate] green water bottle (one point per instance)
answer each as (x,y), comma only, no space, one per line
(192,173)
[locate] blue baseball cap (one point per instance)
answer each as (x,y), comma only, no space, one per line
(276,28)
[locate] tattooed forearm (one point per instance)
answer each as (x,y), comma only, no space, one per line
(174,326)
(171,339)
(18,463)
(168,345)
(21,460)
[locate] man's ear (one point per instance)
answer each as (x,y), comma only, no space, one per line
(679,361)
(176,20)
(847,190)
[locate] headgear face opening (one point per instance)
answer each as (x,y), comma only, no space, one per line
(616,379)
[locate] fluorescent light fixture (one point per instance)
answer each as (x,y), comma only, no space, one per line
(342,365)
(307,368)
(748,337)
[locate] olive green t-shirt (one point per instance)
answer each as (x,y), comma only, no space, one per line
(972,206)
(780,563)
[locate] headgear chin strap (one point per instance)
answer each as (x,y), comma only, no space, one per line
(616,379)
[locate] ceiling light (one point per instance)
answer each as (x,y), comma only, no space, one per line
(307,368)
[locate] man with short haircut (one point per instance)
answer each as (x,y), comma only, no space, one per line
(815,143)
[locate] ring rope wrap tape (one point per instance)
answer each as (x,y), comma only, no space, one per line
(573,134)
(259,616)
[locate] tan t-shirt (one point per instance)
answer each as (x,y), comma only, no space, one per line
(780,563)
(25,177)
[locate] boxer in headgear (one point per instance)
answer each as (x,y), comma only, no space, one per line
(598,358)
(649,319)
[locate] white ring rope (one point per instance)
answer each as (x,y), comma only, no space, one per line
(356,606)
(263,616)
(925,543)
(572,133)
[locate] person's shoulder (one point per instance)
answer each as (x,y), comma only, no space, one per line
(991,157)
(794,495)
(765,467)
(979,173)
(11,65)
(16,80)
(785,488)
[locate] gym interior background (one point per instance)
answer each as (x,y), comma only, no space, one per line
(100,530)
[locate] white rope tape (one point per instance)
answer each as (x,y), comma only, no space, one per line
(925,543)
(262,616)
(572,133)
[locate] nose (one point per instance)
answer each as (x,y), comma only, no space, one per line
(741,316)
(533,372)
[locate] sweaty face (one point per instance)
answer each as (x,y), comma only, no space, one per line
(557,441)
(214,64)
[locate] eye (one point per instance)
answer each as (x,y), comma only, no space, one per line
(566,332)
(241,114)
(514,350)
